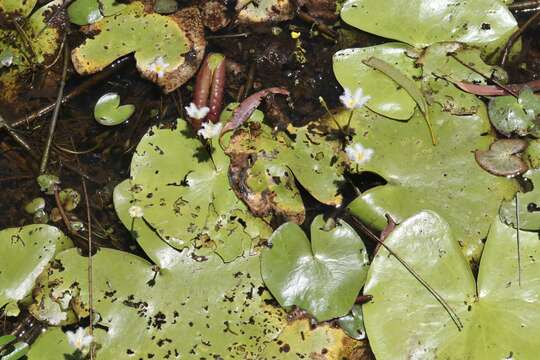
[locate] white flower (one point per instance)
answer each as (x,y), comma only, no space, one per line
(7,61)
(197,113)
(159,66)
(354,101)
(210,130)
(136,211)
(358,154)
(79,339)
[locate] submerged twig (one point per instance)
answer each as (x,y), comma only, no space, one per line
(453,315)
(54,119)
(515,36)
(85,86)
(525,7)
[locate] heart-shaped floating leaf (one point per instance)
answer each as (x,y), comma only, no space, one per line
(108,111)
(185,195)
(322,277)
(515,116)
(501,158)
(529,205)
(500,320)
(486,23)
(353,323)
(388,98)
(24,254)
(445,178)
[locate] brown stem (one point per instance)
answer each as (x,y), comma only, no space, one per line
(65,219)
(490,90)
(363,299)
(202,84)
(525,6)
(321,26)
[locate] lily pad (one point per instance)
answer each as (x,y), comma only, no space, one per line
(533,153)
(185,194)
(198,308)
(160,43)
(387,97)
(24,254)
(447,59)
(516,116)
(108,111)
(485,23)
(529,206)
(265,164)
(444,178)
(299,340)
(84,12)
(501,159)
(500,320)
(322,277)
(17,7)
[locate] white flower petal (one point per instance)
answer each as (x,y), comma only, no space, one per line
(136,211)
(210,130)
(358,154)
(197,113)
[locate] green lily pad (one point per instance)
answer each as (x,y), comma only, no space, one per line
(186,195)
(501,159)
(387,97)
(447,59)
(529,206)
(84,12)
(515,116)
(485,23)
(17,7)
(24,254)
(444,178)
(108,111)
(322,277)
(160,44)
(199,308)
(52,342)
(500,320)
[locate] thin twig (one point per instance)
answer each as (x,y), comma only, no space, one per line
(26,40)
(321,26)
(83,87)
(496,82)
(515,36)
(15,136)
(228,36)
(518,240)
(67,223)
(525,6)
(52,127)
(453,315)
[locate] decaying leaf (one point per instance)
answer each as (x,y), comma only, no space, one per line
(501,159)
(265,164)
(168,49)
(264,11)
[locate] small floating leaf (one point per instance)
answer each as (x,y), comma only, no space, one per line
(47,183)
(501,158)
(515,116)
(353,323)
(322,277)
(35,205)
(108,111)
